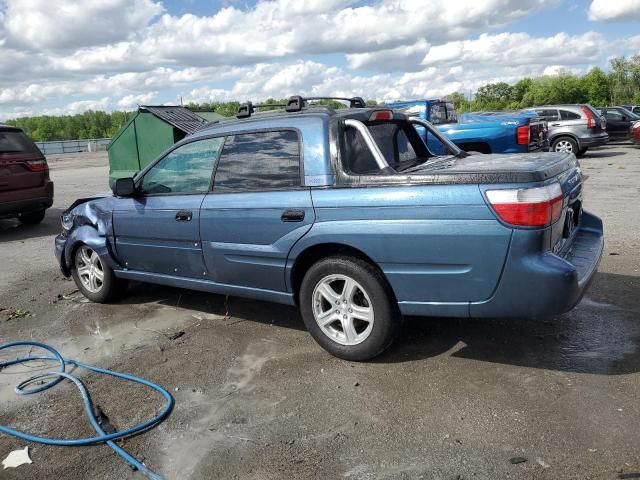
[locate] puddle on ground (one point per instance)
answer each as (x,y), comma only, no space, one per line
(105,338)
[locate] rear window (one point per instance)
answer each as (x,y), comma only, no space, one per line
(15,141)
(398,142)
(442,112)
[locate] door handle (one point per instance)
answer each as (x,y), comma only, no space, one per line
(292,215)
(184,216)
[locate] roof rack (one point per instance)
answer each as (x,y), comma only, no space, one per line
(295,104)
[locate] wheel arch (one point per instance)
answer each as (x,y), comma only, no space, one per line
(314,253)
(88,235)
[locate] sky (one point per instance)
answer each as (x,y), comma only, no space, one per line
(64,57)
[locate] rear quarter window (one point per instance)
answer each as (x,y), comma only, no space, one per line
(15,141)
(567,115)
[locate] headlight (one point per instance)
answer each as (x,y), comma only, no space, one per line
(67,220)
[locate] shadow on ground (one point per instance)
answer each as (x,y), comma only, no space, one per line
(11,229)
(603,153)
(600,336)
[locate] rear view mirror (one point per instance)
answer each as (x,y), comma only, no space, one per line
(123,187)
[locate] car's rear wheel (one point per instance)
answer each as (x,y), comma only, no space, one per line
(93,277)
(564,145)
(348,308)
(32,218)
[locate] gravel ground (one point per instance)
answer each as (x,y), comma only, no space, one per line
(256,398)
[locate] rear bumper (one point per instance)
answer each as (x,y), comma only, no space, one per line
(545,284)
(594,140)
(16,202)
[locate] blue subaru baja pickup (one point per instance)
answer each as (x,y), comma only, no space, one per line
(347,214)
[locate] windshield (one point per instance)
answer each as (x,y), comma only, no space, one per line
(629,114)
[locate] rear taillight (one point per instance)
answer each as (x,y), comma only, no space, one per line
(36,165)
(590,120)
(524,135)
(528,207)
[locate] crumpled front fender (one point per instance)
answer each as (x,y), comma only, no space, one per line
(89,236)
(93,227)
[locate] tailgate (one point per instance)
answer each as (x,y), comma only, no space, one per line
(17,172)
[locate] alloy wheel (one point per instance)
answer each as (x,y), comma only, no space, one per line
(564,146)
(90,270)
(342,309)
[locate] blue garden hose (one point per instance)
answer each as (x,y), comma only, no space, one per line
(57,377)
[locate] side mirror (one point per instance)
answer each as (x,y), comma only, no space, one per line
(123,187)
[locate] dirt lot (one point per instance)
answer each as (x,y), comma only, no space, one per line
(256,398)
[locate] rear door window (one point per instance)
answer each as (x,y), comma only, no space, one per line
(15,141)
(260,161)
(548,114)
(613,115)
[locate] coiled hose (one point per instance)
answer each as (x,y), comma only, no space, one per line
(57,377)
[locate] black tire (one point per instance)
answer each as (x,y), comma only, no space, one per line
(386,316)
(572,145)
(111,287)
(582,151)
(32,218)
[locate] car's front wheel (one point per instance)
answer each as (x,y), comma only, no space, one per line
(93,278)
(348,308)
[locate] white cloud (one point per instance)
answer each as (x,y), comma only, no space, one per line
(131,102)
(614,10)
(404,57)
(518,49)
(59,56)
(60,24)
(84,105)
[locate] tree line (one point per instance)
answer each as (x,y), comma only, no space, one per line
(619,86)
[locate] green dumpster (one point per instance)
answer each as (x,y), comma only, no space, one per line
(150,131)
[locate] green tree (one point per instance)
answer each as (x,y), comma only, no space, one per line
(595,85)
(493,96)
(459,102)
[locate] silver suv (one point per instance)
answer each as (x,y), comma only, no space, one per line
(573,128)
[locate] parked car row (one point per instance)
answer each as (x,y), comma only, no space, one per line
(573,128)
(500,132)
